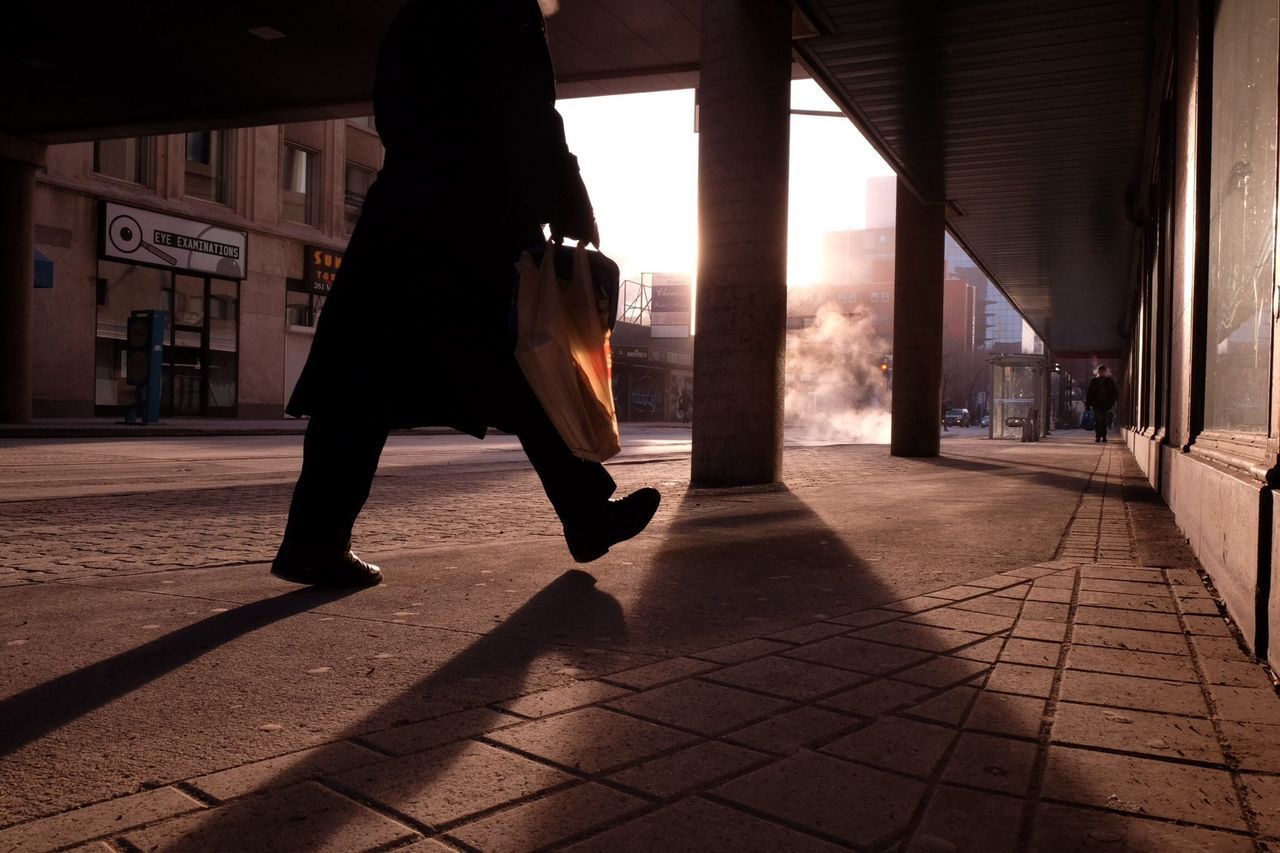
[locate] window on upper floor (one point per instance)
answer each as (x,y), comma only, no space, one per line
(208,165)
(128,159)
(299,190)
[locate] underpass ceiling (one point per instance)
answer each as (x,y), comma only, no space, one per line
(1029,115)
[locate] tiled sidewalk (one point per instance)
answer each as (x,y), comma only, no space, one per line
(1087,703)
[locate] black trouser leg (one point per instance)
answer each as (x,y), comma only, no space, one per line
(1100,424)
(339,460)
(575,487)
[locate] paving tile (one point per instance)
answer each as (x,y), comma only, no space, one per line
(1236,674)
(1256,746)
(111,817)
(787,677)
(1159,735)
(1142,786)
(547,820)
(949,822)
(1142,603)
(964,620)
(1046,611)
(1246,704)
(1062,581)
(877,697)
(698,826)
(791,730)
(689,769)
(1050,594)
(1112,573)
(1007,714)
(1124,638)
(427,734)
(1141,664)
(1263,795)
(1198,606)
(1208,626)
(1142,694)
(987,650)
(1024,680)
(284,770)
(956,593)
(1030,572)
(1014,593)
(1135,619)
(992,763)
(892,743)
(303,817)
(1063,829)
(809,633)
(1221,648)
(710,709)
(942,672)
(858,655)
(591,740)
(1157,588)
(915,605)
(651,675)
(917,636)
(738,652)
(949,708)
(996,582)
(992,604)
(452,782)
(1031,652)
(564,698)
(855,804)
(865,618)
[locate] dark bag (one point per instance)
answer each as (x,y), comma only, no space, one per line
(1086,420)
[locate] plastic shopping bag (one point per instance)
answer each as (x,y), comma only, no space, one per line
(563,348)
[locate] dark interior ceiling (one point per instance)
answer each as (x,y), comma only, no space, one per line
(1029,116)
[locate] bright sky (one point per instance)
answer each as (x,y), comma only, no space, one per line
(639,158)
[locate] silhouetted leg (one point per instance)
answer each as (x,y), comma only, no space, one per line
(576,488)
(339,460)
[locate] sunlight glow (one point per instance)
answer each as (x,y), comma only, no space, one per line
(639,158)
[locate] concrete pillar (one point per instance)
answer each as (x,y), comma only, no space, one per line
(917,326)
(17,272)
(743,150)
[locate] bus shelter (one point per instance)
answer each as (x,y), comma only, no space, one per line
(1019,397)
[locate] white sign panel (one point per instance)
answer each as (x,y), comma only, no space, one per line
(669,306)
(138,236)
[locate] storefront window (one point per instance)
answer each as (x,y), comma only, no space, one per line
(302,307)
(298,195)
(359,179)
(122,289)
(208,165)
(224,345)
(128,159)
(1242,190)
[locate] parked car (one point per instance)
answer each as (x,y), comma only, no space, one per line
(986,421)
(956,417)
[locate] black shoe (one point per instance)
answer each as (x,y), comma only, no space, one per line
(332,570)
(614,522)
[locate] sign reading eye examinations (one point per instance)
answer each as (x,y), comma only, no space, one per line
(138,236)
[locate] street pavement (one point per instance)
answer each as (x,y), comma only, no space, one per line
(1005,648)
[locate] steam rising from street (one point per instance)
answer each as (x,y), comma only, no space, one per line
(836,391)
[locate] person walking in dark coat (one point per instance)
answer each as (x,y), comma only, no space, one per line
(418,327)
(1100,397)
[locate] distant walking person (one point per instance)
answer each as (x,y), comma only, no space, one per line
(1101,397)
(418,327)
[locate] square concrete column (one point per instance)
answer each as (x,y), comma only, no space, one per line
(17,273)
(919,264)
(743,151)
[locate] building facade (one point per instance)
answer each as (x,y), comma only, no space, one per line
(235,234)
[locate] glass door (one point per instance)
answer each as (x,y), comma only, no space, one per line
(187,357)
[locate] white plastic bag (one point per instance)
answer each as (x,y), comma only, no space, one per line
(563,348)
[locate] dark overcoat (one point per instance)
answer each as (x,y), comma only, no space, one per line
(417,329)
